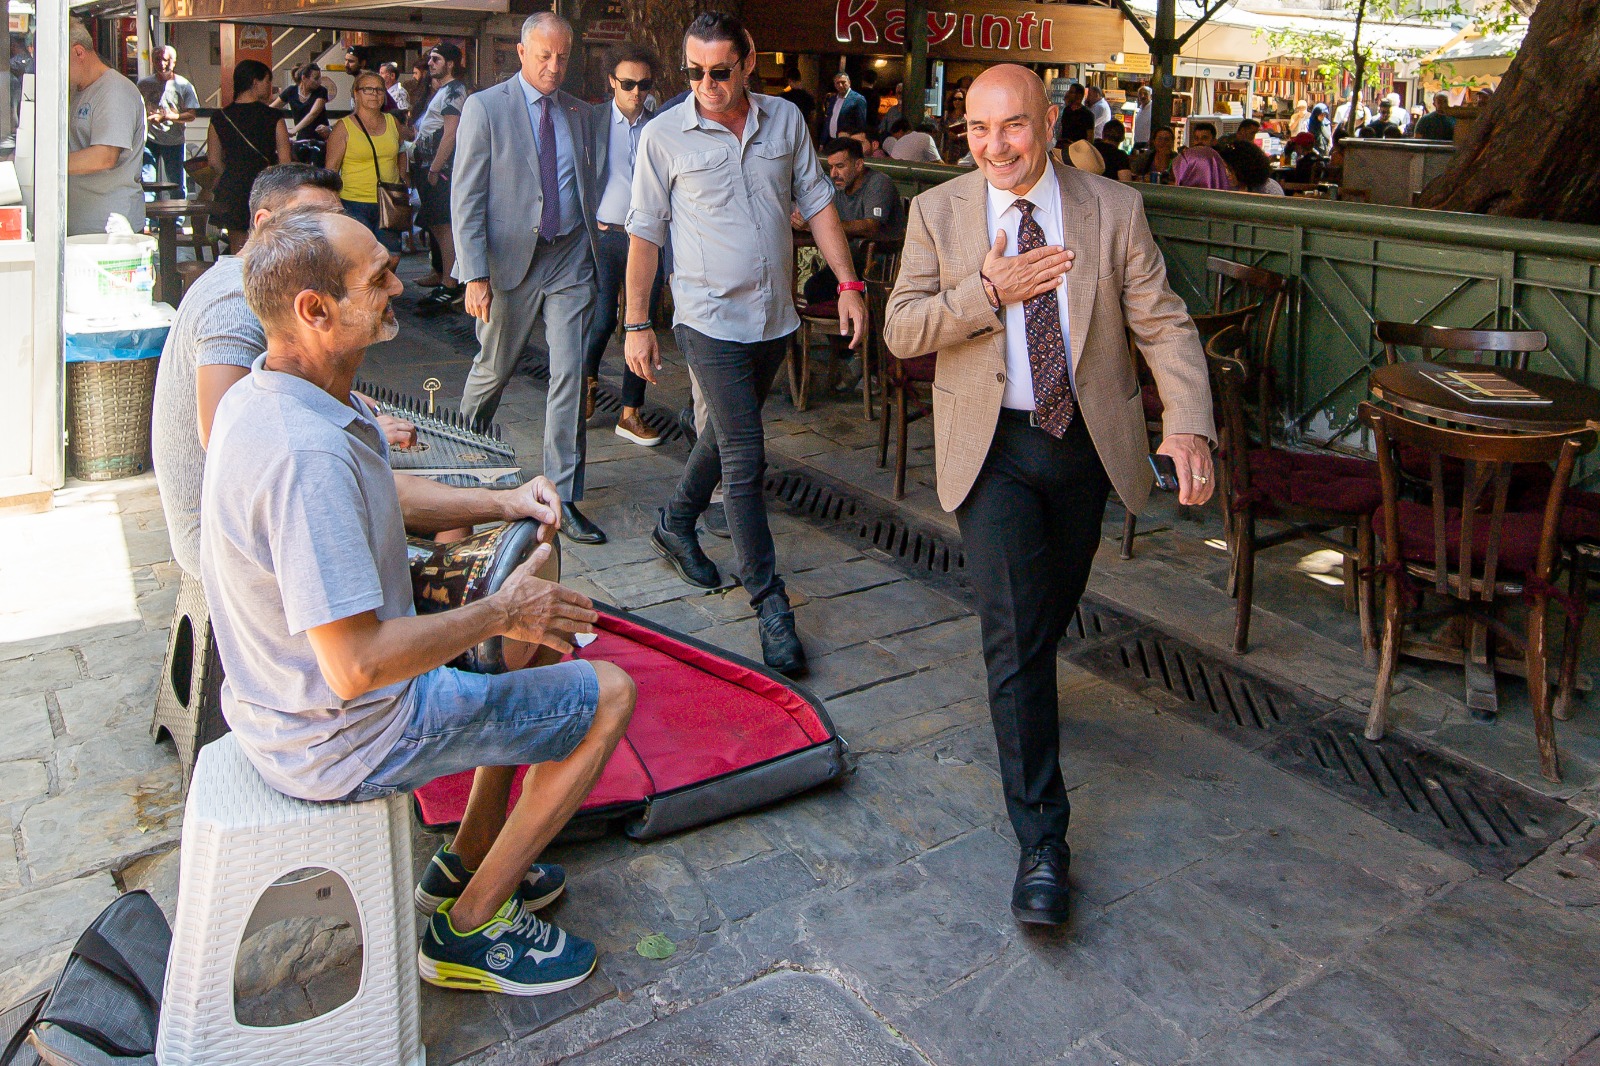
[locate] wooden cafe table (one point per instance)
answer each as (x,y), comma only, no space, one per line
(165,214)
(1414,388)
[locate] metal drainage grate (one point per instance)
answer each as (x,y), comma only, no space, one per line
(804,496)
(1248,709)
(1492,823)
(921,550)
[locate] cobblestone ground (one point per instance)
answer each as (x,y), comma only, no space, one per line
(1227,912)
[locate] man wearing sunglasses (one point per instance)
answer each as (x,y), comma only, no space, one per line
(633,70)
(720,172)
(523,201)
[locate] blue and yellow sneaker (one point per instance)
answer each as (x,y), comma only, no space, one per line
(446,877)
(514,952)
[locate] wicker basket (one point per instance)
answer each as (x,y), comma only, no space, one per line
(108,417)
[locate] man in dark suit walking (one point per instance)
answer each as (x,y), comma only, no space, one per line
(522,205)
(632,71)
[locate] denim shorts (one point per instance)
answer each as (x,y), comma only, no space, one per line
(461,721)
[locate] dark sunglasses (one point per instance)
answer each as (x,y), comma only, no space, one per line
(717,73)
(627,85)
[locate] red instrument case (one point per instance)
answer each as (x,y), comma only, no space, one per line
(713,734)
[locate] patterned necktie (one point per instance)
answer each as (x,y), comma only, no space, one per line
(1047,348)
(549,182)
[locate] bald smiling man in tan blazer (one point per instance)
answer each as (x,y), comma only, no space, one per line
(1026,278)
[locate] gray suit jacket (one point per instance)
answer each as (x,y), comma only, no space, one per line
(495,197)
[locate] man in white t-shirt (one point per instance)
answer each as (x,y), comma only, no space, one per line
(1095,101)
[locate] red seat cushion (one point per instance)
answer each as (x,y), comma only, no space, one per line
(919,369)
(1153,407)
(1519,537)
(828,310)
(1580,517)
(1312,480)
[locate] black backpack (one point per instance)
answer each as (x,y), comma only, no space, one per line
(105,1006)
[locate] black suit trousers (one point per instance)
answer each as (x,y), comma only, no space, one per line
(1029,530)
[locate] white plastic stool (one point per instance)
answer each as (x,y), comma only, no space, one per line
(239,837)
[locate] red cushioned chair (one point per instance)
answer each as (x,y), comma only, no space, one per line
(823,319)
(900,378)
(1474,552)
(1304,494)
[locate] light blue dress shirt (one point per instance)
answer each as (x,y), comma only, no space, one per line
(623,146)
(566,155)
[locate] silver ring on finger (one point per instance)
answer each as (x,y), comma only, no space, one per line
(1201,479)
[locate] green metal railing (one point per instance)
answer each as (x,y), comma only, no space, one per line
(1355,264)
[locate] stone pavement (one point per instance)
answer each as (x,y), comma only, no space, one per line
(1227,912)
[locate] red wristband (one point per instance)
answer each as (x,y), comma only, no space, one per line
(852,286)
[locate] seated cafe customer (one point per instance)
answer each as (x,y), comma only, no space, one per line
(869,207)
(337,690)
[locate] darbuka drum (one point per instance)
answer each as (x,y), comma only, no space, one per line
(445,576)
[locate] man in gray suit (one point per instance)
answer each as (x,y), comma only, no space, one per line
(523,211)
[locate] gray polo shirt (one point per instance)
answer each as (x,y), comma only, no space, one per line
(877,199)
(214,327)
(302,527)
(108,111)
(727,202)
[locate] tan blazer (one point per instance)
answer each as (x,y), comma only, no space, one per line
(1118,283)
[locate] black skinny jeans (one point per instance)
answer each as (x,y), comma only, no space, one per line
(734,378)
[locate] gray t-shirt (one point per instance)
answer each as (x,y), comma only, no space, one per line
(109,111)
(875,198)
(302,528)
(175,95)
(214,326)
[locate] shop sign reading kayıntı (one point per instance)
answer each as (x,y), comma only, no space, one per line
(999,29)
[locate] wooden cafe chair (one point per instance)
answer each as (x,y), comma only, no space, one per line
(900,378)
(1473,551)
(823,319)
(1302,494)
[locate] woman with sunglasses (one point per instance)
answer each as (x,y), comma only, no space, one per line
(364,148)
(632,76)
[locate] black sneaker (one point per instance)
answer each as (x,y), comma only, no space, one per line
(780,644)
(439,300)
(686,556)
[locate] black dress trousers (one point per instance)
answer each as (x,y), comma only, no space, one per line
(1029,530)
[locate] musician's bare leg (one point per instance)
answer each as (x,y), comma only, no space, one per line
(550,796)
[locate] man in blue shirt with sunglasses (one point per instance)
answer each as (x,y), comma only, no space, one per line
(720,172)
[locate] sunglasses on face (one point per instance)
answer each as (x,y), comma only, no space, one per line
(717,73)
(627,85)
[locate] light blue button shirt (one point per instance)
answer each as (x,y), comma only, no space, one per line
(566,155)
(623,145)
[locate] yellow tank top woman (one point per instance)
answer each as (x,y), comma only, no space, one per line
(357,168)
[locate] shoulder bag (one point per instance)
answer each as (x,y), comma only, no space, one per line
(394,198)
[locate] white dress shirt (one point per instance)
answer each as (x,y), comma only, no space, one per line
(623,145)
(1102,114)
(1003,215)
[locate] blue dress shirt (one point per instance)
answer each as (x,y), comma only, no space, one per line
(566,157)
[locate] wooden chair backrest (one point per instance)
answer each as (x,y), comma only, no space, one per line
(1209,325)
(1514,344)
(1236,283)
(1227,358)
(1486,460)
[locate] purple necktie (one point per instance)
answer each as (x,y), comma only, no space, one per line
(549,183)
(1047,348)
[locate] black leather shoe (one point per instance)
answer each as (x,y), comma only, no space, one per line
(716,521)
(780,644)
(578,529)
(1040,894)
(686,557)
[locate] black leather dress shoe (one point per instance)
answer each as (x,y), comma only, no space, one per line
(1040,894)
(686,557)
(780,644)
(578,529)
(716,521)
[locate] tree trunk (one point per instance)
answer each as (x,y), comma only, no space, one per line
(1534,152)
(660,24)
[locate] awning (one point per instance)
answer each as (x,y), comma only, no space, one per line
(411,14)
